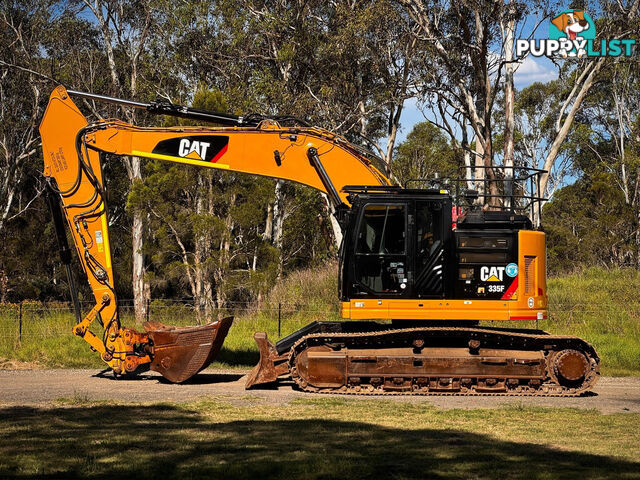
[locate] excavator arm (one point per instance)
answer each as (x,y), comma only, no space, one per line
(72,149)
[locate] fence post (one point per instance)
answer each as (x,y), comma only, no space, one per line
(20,323)
(279,319)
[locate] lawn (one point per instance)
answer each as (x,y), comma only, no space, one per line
(315,439)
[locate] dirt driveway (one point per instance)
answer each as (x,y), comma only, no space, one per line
(40,387)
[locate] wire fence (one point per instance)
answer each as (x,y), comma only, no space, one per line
(52,319)
(43,320)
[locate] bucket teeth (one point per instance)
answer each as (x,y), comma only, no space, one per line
(178,353)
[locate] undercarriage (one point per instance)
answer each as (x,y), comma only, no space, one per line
(381,359)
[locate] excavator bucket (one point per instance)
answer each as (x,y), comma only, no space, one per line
(180,352)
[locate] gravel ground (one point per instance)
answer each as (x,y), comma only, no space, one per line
(43,387)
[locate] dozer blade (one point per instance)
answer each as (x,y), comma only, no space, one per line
(271,365)
(179,353)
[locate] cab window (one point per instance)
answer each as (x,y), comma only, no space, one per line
(382,230)
(381,251)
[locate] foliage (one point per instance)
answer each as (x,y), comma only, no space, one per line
(588,223)
(426,153)
(596,220)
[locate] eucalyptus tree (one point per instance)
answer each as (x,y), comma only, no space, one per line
(467,45)
(620,19)
(128,31)
(23,95)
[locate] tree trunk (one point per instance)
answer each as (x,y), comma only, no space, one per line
(140,287)
(565,126)
(509,95)
(141,290)
(479,172)
(335,226)
(466,156)
(278,223)
(394,124)
(203,294)
(4,286)
(222,268)
(491,187)
(268,224)
(7,199)
(278,215)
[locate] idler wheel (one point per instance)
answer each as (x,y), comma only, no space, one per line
(570,365)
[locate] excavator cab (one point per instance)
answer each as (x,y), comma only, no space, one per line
(397,244)
(403,253)
(404,244)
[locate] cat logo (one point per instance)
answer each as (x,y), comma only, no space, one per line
(196,150)
(201,148)
(491,274)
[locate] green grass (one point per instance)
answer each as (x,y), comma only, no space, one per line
(314,439)
(601,306)
(47,340)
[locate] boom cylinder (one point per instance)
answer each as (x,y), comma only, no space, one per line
(171,109)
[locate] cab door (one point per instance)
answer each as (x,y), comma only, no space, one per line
(432,233)
(380,267)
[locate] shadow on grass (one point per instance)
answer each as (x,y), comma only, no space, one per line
(238,358)
(167,442)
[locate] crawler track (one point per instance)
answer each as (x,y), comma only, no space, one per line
(444,361)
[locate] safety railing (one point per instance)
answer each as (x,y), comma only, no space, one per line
(498,188)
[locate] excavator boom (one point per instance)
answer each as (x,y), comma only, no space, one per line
(72,149)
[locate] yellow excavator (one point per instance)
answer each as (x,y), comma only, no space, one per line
(419,269)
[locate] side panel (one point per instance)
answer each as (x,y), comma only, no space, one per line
(532,276)
(485,264)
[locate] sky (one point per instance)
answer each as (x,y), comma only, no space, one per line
(530,70)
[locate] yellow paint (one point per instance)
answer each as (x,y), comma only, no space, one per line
(105,239)
(180,160)
(447,310)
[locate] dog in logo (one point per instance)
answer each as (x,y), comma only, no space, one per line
(571,24)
